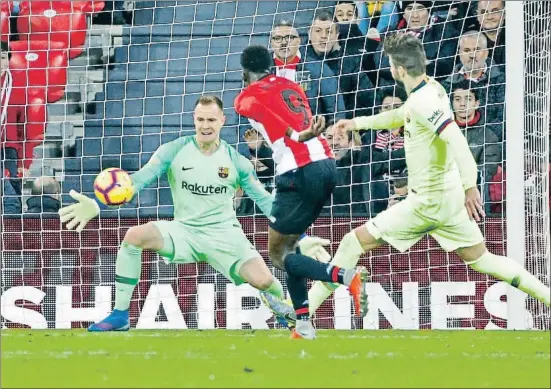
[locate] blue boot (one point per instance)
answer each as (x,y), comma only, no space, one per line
(116,321)
(283,311)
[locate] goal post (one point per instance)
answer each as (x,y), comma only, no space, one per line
(133,88)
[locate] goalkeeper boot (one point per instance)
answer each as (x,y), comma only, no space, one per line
(282,310)
(116,321)
(304,330)
(358,291)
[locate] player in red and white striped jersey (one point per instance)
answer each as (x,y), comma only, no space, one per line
(306,175)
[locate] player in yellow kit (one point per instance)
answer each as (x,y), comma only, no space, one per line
(443,199)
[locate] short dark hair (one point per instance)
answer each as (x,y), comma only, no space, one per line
(464,85)
(325,15)
(393,91)
(256,59)
(407,52)
(210,99)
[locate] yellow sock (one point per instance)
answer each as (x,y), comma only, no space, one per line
(347,256)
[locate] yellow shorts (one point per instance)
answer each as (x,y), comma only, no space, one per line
(405,223)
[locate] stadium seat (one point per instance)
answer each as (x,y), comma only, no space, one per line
(61,21)
(39,64)
(132,144)
(91,147)
(5,12)
(165,196)
(111,145)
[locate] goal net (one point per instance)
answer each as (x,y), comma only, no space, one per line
(109,87)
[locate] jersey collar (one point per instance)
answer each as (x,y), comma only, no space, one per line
(421,84)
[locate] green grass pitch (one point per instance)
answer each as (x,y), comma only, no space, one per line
(189,358)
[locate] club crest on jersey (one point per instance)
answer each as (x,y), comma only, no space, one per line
(223,172)
(408,118)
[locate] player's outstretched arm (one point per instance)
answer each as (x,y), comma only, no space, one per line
(158,164)
(381,121)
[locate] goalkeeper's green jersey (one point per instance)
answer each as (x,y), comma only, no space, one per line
(203,186)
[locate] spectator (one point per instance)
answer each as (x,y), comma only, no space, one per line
(341,85)
(11,201)
(352,190)
(261,157)
(399,189)
(439,40)
(490,19)
(45,196)
(382,15)
(483,142)
(345,12)
(285,43)
(482,75)
(387,152)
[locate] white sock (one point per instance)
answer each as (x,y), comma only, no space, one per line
(513,273)
(349,252)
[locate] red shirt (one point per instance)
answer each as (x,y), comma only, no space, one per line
(274,104)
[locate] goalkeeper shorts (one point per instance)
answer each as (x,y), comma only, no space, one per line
(225,248)
(405,223)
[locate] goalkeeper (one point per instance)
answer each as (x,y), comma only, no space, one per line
(443,199)
(204,173)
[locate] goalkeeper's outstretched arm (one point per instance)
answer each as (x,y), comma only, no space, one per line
(158,164)
(85,209)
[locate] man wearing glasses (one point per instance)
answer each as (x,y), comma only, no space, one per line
(285,43)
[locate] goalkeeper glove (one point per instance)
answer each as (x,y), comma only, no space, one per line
(79,214)
(312,246)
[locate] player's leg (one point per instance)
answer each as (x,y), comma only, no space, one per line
(299,268)
(127,273)
(506,269)
(256,273)
(352,246)
(398,226)
(463,236)
(300,197)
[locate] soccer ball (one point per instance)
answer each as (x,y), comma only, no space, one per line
(113,187)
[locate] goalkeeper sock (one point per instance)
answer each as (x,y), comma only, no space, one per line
(510,271)
(127,274)
(276,289)
(349,252)
(298,289)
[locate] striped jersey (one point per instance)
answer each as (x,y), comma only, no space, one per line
(274,104)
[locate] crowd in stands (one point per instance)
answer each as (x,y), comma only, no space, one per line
(464,44)
(338,60)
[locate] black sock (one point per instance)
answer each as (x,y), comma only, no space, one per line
(298,289)
(302,266)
